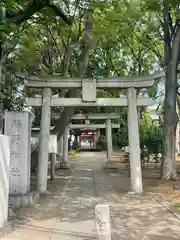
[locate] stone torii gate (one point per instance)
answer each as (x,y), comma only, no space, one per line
(97,116)
(132,100)
(108,126)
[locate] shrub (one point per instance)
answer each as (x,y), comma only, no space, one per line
(101,143)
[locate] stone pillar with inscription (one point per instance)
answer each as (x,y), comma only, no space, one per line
(4,178)
(18,128)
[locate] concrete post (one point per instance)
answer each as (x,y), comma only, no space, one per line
(94,141)
(139,114)
(64,163)
(52,154)
(4,178)
(109,140)
(102,217)
(44,141)
(134,146)
(87,121)
(53,166)
(78,141)
(60,147)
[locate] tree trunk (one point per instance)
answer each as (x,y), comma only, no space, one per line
(170,115)
(1,100)
(177,139)
(83,63)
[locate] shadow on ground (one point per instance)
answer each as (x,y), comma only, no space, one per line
(69,209)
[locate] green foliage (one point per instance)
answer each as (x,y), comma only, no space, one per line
(101,143)
(152,92)
(72,152)
(3,91)
(155,139)
(151,135)
(145,125)
(120,139)
(126,41)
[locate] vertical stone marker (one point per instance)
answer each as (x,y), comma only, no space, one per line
(53,152)
(109,141)
(60,146)
(53,143)
(64,163)
(103,227)
(4,178)
(17,126)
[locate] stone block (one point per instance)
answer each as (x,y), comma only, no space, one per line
(126,149)
(4,177)
(6,229)
(89,90)
(64,165)
(102,216)
(18,127)
(27,200)
(60,146)
(53,143)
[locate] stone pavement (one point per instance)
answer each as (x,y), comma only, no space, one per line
(68,213)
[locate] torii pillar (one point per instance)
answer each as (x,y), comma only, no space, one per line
(64,163)
(43,156)
(109,141)
(60,147)
(134,146)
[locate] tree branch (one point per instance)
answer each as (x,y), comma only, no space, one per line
(21,16)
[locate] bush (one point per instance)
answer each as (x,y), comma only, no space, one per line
(151,135)
(155,139)
(121,138)
(101,143)
(152,139)
(72,152)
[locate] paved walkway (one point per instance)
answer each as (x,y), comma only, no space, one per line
(68,213)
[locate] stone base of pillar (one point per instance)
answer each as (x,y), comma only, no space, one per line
(27,200)
(7,228)
(46,193)
(64,165)
(109,165)
(59,159)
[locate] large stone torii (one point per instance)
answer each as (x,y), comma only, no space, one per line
(89,99)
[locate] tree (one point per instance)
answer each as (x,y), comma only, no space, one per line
(171,57)
(168,16)
(119,32)
(9,17)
